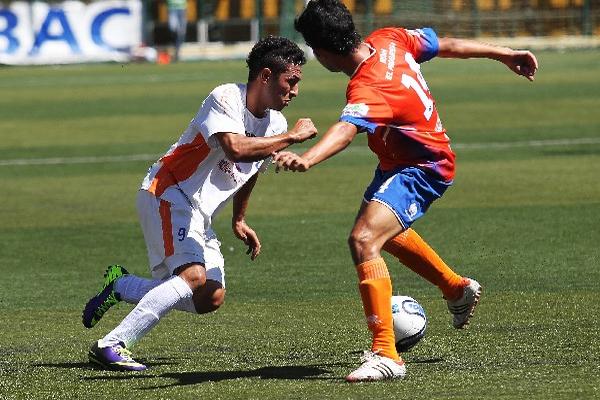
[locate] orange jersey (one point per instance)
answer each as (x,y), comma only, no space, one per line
(389,99)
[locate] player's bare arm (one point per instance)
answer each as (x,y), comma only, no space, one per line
(336,139)
(521,62)
(241,148)
(238,223)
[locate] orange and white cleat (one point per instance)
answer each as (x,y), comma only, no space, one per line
(376,368)
(463,308)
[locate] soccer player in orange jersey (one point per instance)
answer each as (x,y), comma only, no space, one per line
(388,98)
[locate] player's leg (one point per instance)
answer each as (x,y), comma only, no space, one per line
(211,296)
(176,291)
(112,350)
(462,294)
(375,225)
(174,234)
(411,250)
(187,290)
(181,28)
(208,298)
(131,289)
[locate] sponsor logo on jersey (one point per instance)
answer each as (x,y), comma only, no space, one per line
(355,110)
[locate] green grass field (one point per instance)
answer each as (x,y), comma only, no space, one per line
(523,218)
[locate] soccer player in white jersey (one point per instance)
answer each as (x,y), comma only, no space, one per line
(216,159)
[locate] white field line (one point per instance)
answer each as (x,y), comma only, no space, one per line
(79,160)
(153,157)
(528,143)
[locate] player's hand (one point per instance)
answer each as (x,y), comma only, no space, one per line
(522,62)
(289,161)
(247,235)
(303,130)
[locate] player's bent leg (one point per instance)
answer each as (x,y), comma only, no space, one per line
(148,312)
(462,294)
(411,250)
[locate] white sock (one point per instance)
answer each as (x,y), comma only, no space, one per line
(150,309)
(132,289)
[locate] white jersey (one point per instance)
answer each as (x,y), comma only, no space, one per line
(197,165)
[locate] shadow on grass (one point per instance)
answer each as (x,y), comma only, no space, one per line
(425,361)
(287,372)
(91,366)
(293,372)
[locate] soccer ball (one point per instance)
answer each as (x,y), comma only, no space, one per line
(410,322)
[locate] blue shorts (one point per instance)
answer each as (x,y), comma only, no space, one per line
(406,191)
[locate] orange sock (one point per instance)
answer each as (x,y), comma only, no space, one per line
(416,254)
(376,292)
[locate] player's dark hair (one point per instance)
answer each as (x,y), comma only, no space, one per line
(328,25)
(275,53)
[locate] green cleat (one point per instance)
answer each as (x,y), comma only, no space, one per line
(113,272)
(98,305)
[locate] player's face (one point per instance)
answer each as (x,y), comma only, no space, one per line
(283,88)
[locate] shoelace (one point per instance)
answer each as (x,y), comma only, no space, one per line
(123,352)
(369,355)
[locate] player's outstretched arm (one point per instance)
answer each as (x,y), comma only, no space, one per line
(336,139)
(238,222)
(241,148)
(521,62)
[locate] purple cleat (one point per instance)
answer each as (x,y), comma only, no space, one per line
(115,357)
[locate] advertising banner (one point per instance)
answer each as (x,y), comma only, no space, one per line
(69,32)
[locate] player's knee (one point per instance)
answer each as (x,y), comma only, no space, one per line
(360,240)
(193,274)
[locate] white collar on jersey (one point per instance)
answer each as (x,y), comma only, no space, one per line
(373,51)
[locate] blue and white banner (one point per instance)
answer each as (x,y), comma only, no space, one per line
(69,32)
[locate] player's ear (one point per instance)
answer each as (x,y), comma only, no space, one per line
(265,74)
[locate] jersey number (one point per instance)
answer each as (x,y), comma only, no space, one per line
(418,85)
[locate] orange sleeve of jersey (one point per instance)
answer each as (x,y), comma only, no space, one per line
(365,108)
(421,43)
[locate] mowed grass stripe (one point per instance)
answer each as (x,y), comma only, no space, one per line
(355,149)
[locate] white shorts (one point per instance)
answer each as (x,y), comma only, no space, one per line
(177,234)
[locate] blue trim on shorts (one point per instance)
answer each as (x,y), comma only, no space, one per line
(406,191)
